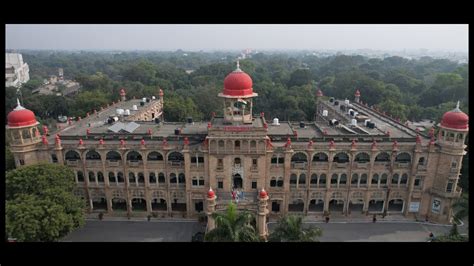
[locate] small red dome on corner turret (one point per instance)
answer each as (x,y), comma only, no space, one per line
(20,117)
(238,83)
(210,193)
(455,119)
(357,93)
(263,194)
(122,91)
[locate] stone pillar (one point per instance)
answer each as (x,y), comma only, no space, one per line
(262,214)
(211,208)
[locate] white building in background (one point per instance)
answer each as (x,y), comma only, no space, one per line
(16,71)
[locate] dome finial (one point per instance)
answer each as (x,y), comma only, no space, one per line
(18,107)
(238,67)
(238,64)
(457,108)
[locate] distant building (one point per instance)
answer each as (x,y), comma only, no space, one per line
(16,71)
(52,86)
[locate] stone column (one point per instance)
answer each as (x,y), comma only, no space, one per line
(262,214)
(211,208)
(412,177)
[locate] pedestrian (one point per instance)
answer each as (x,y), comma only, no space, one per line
(327,219)
(374,219)
(233,194)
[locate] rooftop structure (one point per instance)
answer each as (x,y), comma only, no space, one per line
(16,71)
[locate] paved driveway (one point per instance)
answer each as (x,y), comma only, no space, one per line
(135,231)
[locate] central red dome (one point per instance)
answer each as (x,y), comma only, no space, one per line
(21,117)
(238,83)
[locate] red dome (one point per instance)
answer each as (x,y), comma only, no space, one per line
(455,119)
(319,93)
(20,117)
(210,193)
(122,91)
(238,83)
(357,93)
(263,194)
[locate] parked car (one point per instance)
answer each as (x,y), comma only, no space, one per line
(198,237)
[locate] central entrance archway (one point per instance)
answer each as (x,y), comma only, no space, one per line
(237,181)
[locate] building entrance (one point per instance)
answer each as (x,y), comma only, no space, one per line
(237,181)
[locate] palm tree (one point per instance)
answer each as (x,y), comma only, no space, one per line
(289,229)
(232,226)
(462,208)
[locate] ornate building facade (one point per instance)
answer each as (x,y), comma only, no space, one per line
(350,159)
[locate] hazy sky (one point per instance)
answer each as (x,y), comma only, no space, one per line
(237,36)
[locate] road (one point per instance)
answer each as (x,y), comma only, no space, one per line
(182,231)
(135,231)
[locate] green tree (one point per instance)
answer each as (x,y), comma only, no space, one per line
(233,226)
(461,208)
(290,229)
(9,160)
(40,205)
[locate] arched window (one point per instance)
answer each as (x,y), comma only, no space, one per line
(221,144)
(161,178)
(343,179)
(134,156)
(355,179)
(155,156)
(141,178)
(152,178)
(382,157)
(322,180)
(113,156)
(403,158)
(363,179)
(80,176)
(293,180)
(194,181)
(302,179)
(72,156)
(120,177)
(341,158)
(26,134)
(334,179)
(299,158)
(362,157)
(395,178)
(383,179)
(131,178)
(253,144)
(92,155)
(173,179)
(237,144)
(237,161)
(91,177)
(320,157)
(375,179)
(112,178)
(175,157)
(181,178)
(404,179)
(100,177)
(314,179)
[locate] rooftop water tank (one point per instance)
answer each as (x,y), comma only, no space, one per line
(276,122)
(127,112)
(190,120)
(134,107)
(336,103)
(365,122)
(143,100)
(325,112)
(354,122)
(120,111)
(349,111)
(331,100)
(142,103)
(346,102)
(302,124)
(147,100)
(153,97)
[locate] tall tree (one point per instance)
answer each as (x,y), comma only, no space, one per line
(40,205)
(233,226)
(290,229)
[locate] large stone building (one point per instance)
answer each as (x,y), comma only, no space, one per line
(352,159)
(16,71)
